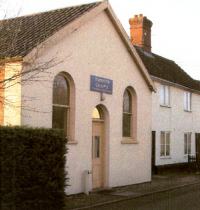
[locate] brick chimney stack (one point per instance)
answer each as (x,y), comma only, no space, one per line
(140,31)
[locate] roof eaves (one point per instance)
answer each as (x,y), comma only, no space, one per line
(10,59)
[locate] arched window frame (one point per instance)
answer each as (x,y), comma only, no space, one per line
(131,136)
(70,107)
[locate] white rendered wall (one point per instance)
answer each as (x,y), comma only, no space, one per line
(177,121)
(96,49)
(12,94)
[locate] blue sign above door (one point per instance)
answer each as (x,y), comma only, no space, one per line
(100,84)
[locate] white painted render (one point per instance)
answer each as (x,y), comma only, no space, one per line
(12,94)
(175,120)
(97,48)
(94,49)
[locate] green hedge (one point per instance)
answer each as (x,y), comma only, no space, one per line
(32,168)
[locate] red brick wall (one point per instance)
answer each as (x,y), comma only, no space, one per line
(140,32)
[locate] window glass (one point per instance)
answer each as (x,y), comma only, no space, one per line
(162,150)
(61,91)
(187,143)
(165,143)
(126,125)
(189,149)
(127,102)
(164,95)
(96,142)
(162,138)
(167,150)
(60,110)
(96,114)
(127,114)
(187,101)
(167,138)
(60,117)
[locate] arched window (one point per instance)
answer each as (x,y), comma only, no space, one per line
(127,114)
(61,103)
(97,113)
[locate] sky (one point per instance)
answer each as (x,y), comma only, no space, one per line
(175,30)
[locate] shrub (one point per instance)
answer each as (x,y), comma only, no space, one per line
(32,168)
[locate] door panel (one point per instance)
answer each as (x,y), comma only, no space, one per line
(97,154)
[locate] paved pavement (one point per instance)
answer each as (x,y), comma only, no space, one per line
(159,184)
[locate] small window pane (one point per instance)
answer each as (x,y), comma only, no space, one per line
(162,139)
(162,150)
(185,148)
(162,97)
(165,143)
(166,95)
(185,101)
(97,114)
(185,144)
(127,102)
(167,138)
(189,101)
(96,142)
(60,91)
(60,118)
(189,149)
(126,125)
(167,150)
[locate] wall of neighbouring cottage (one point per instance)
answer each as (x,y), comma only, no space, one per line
(12,94)
(177,121)
(95,49)
(2,72)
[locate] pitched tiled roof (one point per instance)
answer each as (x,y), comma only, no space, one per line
(18,36)
(166,69)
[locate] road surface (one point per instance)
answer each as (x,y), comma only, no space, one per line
(187,198)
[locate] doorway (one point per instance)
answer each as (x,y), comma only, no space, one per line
(98,148)
(153,153)
(197,139)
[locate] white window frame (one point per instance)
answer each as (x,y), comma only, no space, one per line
(187,143)
(187,101)
(165,144)
(165,95)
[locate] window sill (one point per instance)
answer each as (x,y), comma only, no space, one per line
(186,156)
(128,141)
(165,106)
(72,142)
(165,157)
(189,111)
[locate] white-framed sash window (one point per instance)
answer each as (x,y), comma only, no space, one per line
(164,95)
(187,101)
(165,144)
